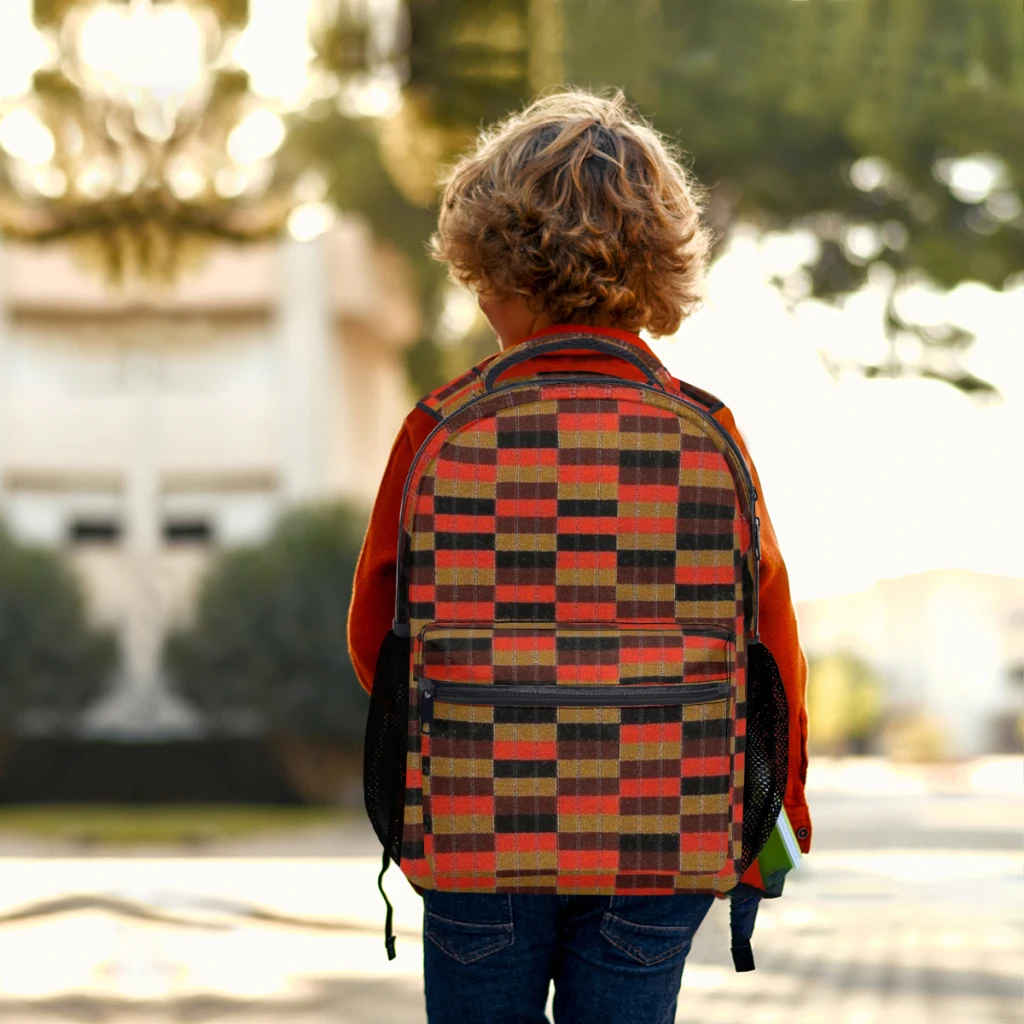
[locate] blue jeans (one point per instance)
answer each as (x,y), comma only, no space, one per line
(488,959)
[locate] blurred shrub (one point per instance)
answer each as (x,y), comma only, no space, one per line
(844,704)
(267,647)
(53,664)
(915,735)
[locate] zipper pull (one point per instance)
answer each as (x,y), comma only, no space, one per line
(426,696)
(757,537)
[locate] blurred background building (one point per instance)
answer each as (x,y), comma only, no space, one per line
(947,652)
(216,305)
(143,429)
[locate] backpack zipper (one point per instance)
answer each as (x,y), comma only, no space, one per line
(625,696)
(714,629)
(753,520)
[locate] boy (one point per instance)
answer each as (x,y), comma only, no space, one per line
(570,217)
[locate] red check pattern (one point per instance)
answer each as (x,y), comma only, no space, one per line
(573,535)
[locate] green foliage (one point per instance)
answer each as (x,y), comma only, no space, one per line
(469,59)
(269,635)
(776,100)
(359,182)
(467,66)
(782,103)
(844,703)
(52,663)
(126,825)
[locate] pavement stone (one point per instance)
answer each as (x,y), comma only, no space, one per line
(916,919)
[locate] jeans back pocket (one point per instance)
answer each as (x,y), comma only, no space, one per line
(468,926)
(654,930)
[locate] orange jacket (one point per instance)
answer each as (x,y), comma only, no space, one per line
(373,592)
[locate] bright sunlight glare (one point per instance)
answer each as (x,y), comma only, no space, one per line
(25,137)
(274,50)
(896,468)
(971,179)
(156,50)
(257,136)
(22,49)
(310,220)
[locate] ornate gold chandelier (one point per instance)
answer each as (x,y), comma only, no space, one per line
(141,131)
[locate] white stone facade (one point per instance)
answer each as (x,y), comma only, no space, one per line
(141,431)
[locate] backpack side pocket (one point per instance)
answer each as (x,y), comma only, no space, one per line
(767,751)
(384,750)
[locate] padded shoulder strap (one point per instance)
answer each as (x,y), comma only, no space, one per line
(704,399)
(447,399)
(549,344)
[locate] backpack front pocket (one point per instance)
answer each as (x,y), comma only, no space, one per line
(577,758)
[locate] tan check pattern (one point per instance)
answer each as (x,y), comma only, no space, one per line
(575,535)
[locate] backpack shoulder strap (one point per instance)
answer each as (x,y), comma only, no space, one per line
(446,399)
(646,361)
(704,399)
(568,340)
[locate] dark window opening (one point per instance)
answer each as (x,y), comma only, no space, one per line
(188,531)
(94,531)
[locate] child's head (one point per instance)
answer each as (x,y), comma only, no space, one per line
(578,207)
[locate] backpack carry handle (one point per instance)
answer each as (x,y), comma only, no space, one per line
(655,373)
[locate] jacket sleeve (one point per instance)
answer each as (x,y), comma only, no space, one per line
(779,633)
(373,589)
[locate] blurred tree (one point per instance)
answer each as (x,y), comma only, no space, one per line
(468,64)
(893,130)
(267,646)
(52,663)
(844,704)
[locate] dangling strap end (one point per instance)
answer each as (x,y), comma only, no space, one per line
(742,914)
(743,957)
(389,934)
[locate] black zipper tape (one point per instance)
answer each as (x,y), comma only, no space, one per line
(622,696)
(674,628)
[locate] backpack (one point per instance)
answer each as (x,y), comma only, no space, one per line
(573,697)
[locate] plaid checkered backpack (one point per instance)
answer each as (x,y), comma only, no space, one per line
(573,698)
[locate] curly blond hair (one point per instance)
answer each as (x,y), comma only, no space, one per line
(579,206)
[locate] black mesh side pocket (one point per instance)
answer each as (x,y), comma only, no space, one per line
(767,751)
(387,727)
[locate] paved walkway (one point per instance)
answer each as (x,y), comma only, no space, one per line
(909,912)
